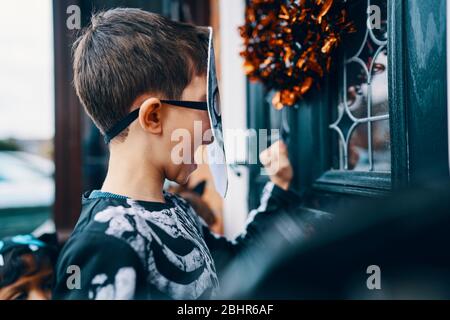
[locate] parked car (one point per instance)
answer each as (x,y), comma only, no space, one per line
(26,191)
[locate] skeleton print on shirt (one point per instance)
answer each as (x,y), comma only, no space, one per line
(122,288)
(136,225)
(129,249)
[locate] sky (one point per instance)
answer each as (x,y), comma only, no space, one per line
(26,70)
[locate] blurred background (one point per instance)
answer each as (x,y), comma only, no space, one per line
(26,116)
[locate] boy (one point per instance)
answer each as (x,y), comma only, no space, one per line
(133,240)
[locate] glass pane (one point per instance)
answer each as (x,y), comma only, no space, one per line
(357,90)
(364,115)
(379,85)
(336,112)
(380,31)
(345,124)
(358,153)
(357,11)
(381,146)
(368,52)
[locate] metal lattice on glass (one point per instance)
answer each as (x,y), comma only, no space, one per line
(361,120)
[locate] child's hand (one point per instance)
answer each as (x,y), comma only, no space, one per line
(276,162)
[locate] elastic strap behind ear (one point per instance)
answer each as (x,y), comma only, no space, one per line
(125,122)
(121,125)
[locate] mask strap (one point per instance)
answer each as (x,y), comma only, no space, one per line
(121,125)
(188,104)
(125,122)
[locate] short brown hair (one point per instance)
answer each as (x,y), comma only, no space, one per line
(125,53)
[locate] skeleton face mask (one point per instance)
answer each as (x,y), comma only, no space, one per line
(216,150)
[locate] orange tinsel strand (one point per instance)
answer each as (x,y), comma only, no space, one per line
(289,44)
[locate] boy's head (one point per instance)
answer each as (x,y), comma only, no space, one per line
(129,58)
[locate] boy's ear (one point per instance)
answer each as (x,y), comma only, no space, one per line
(150,116)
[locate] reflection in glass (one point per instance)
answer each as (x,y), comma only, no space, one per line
(381,33)
(381,147)
(379,85)
(358,153)
(361,129)
(345,123)
(357,11)
(357,90)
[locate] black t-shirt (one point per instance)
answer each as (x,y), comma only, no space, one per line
(128,249)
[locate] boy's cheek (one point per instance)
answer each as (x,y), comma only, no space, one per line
(206,122)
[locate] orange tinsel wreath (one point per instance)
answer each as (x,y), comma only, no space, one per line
(289,44)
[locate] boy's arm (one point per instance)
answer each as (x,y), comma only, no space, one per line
(274,203)
(95,266)
(276,199)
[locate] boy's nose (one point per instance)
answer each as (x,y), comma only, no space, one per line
(208,136)
(206,122)
(208,141)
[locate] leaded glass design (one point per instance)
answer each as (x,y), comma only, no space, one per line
(360,126)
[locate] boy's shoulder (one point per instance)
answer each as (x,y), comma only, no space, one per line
(161,239)
(138,223)
(142,226)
